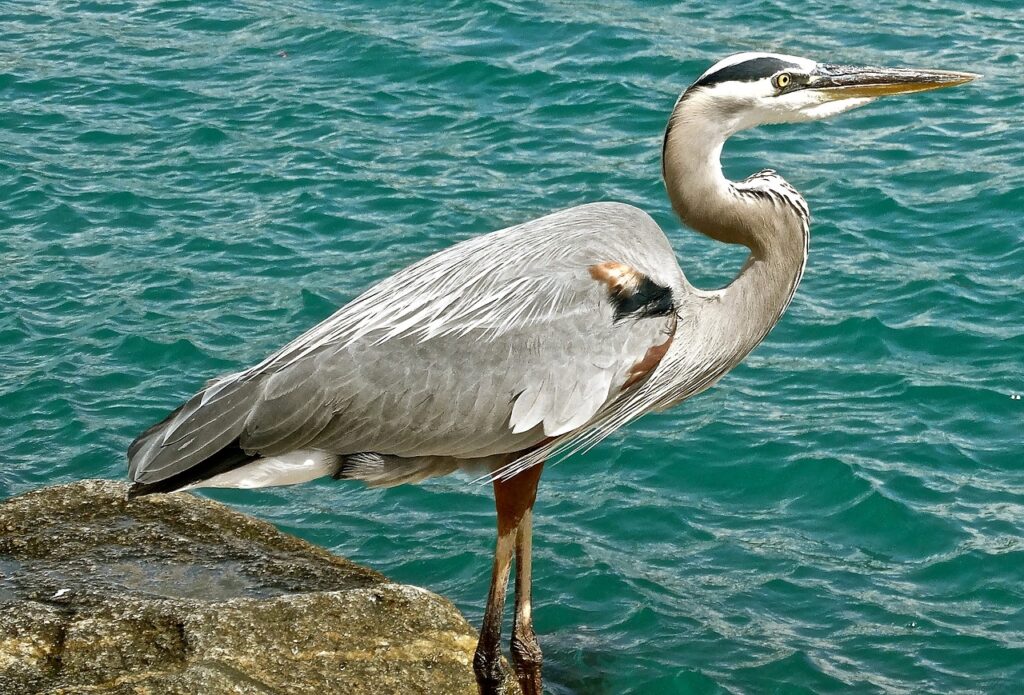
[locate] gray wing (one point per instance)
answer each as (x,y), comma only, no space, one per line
(491,346)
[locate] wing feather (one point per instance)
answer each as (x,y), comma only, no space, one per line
(191,434)
(487,348)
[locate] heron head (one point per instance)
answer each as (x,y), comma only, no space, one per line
(750,89)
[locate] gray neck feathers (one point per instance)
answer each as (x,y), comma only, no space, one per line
(763,213)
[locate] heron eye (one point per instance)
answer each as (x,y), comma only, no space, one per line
(783,80)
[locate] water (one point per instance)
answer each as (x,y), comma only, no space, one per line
(184,189)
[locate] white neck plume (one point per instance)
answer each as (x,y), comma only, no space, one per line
(756,214)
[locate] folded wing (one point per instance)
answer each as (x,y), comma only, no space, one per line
(490,347)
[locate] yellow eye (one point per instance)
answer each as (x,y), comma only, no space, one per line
(783,80)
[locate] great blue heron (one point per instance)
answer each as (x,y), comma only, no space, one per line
(540,339)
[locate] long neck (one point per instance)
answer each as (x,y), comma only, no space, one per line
(764,214)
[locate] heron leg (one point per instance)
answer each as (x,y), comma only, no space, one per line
(514,500)
(487,660)
(526,654)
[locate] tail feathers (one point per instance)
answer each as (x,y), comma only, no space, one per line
(205,429)
(228,458)
(135,448)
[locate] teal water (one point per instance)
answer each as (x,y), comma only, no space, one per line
(185,189)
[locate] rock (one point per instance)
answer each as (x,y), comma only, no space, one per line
(178,594)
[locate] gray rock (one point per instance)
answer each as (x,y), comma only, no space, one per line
(178,594)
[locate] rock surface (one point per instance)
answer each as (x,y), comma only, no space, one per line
(177,594)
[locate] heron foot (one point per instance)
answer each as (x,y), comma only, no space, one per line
(490,677)
(527,660)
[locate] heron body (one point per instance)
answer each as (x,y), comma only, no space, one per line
(536,340)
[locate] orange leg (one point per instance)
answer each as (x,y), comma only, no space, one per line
(514,500)
(526,655)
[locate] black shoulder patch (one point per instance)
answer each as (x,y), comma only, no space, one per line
(649,299)
(633,294)
(746,71)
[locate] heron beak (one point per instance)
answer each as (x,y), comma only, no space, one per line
(845,82)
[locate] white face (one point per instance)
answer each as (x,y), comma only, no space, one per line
(749,89)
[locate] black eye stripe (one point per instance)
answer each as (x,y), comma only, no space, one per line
(747,71)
